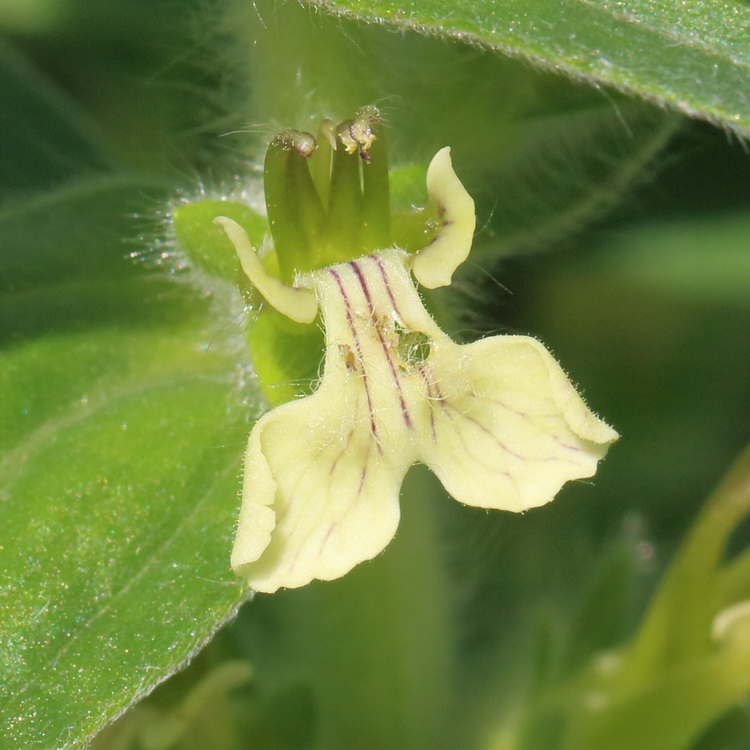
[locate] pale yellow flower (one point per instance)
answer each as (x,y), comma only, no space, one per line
(497,420)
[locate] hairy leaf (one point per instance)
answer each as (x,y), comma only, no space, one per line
(693,56)
(121,430)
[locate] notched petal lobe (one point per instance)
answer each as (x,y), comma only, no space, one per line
(507,427)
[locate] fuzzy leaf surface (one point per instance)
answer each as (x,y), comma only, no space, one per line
(692,56)
(121,432)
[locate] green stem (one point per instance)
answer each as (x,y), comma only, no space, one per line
(678,676)
(678,626)
(667,713)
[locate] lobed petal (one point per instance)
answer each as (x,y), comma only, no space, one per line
(320,492)
(507,429)
(435,264)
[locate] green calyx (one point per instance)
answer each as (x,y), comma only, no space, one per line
(327,197)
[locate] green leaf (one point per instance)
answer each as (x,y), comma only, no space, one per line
(121,431)
(85,229)
(44,139)
(692,56)
(540,155)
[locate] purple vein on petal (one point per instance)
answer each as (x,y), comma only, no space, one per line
(387,284)
(430,398)
(383,344)
(358,347)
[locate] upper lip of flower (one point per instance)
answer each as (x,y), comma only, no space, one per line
(496,420)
